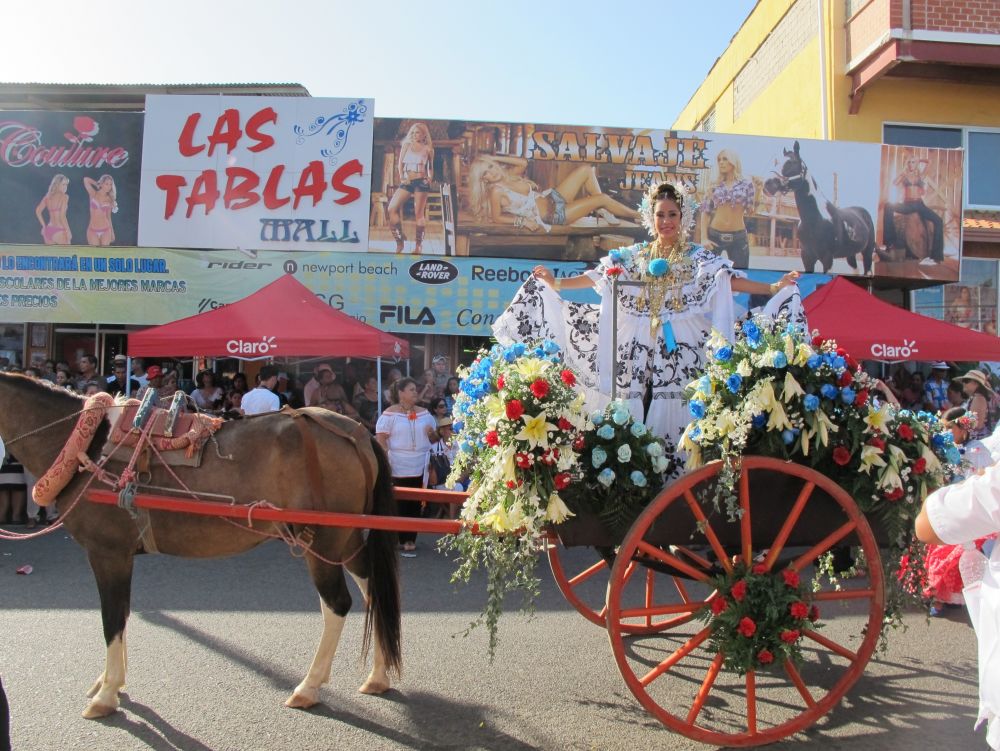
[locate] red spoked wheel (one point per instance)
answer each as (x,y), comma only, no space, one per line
(582,576)
(777,503)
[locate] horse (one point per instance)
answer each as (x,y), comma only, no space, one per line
(848,232)
(264,457)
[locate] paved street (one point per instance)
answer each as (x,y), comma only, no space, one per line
(216,646)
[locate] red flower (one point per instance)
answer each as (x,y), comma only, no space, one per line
(411,415)
(747,627)
(790,636)
(511,484)
(523,460)
(578,443)
(846,378)
(894,495)
(719,605)
(613,271)
(540,387)
(567,377)
(877,443)
(739,590)
(905,432)
(764,657)
(841,351)
(565,424)
(799,610)
(851,362)
(814,614)
(861,399)
(562,480)
(760,568)
(500,381)
(548,458)
(920,466)
(817,341)
(514,409)
(492,439)
(791,577)
(841,455)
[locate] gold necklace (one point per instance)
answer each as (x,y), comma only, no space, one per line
(680,272)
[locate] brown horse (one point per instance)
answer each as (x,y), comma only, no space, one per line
(249,460)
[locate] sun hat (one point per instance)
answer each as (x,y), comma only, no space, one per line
(154,371)
(443,421)
(940,365)
(121,358)
(979,377)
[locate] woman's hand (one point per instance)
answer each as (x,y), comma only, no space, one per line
(541,272)
(709,245)
(788,279)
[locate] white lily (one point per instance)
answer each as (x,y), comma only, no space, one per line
(744,368)
(532,367)
(802,354)
(495,410)
(777,419)
(890,479)
(871,456)
(791,388)
(556,511)
(897,457)
(933,463)
(878,420)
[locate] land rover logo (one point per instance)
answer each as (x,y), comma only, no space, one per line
(433,272)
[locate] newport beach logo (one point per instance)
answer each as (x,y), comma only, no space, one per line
(21,146)
(243,347)
(892,352)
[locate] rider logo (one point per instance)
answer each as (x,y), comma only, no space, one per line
(243,347)
(404,314)
(894,352)
(433,272)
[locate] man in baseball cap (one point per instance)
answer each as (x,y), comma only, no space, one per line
(936,388)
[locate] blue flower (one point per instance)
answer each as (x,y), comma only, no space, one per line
(615,256)
(814,362)
(839,363)
(638,429)
(810,402)
(538,352)
(705,384)
(621,416)
(759,420)
(624,453)
(734,382)
(788,436)
(697,408)
(606,431)
(658,267)
(724,354)
(458,426)
(598,456)
(952,455)
(597,417)
(654,449)
(519,348)
(606,477)
(937,440)
(780,361)
(750,329)
(550,347)
(638,479)
(847,395)
(829,391)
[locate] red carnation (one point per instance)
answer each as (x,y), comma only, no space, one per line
(567,377)
(511,484)
(841,351)
(790,636)
(817,341)
(747,627)
(564,424)
(894,495)
(814,614)
(613,271)
(846,378)
(791,577)
(578,443)
(760,568)
(739,590)
(500,381)
(514,409)
(861,399)
(905,432)
(764,657)
(841,456)
(540,387)
(920,466)
(719,605)
(492,439)
(851,362)
(877,443)
(523,460)
(562,480)
(799,610)
(548,458)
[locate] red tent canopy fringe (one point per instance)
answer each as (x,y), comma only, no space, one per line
(871,329)
(282,319)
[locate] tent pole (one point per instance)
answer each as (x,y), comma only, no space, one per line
(378,376)
(128,375)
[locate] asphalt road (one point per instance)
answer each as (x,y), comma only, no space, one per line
(216,646)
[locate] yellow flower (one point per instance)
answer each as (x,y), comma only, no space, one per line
(871,456)
(536,430)
(878,419)
(556,511)
(532,367)
(802,354)
(777,419)
(694,459)
(791,388)
(494,410)
(744,368)
(789,348)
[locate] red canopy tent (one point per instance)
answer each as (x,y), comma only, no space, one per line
(871,329)
(283,319)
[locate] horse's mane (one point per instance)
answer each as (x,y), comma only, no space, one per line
(25,385)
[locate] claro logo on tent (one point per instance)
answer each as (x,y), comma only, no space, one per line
(893,352)
(243,347)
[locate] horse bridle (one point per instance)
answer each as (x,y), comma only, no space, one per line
(786,180)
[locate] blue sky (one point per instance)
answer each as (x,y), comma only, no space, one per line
(616,63)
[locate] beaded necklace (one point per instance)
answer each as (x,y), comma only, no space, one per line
(680,268)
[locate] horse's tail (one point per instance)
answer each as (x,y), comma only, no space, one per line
(383,614)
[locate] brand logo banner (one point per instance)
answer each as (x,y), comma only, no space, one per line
(69,178)
(256,173)
(149,286)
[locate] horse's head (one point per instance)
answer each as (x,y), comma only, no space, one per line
(792,171)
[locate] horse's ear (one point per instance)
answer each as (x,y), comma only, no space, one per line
(796,148)
(787,152)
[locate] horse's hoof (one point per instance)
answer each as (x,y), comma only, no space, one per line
(95,710)
(374,687)
(302,700)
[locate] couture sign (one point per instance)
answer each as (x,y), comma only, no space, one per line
(276,173)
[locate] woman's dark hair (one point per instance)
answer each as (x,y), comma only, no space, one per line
(398,386)
(200,378)
(435,402)
(667,190)
(954,413)
(447,387)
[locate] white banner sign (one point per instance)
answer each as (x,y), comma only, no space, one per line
(256,173)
